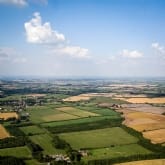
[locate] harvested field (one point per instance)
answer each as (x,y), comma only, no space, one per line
(152,125)
(145,162)
(141,121)
(156,136)
(8,115)
(3,132)
(156,100)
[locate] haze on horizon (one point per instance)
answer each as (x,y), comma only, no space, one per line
(109,38)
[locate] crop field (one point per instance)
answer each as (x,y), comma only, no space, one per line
(145,162)
(156,136)
(76,112)
(3,132)
(8,115)
(21,152)
(45,141)
(116,151)
(156,100)
(32,130)
(98,138)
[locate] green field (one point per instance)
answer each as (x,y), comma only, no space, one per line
(101,111)
(78,121)
(101,99)
(45,141)
(98,138)
(76,112)
(21,152)
(117,151)
(32,130)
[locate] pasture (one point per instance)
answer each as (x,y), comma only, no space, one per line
(32,130)
(116,151)
(21,152)
(45,141)
(3,132)
(98,138)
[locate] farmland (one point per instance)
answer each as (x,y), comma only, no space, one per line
(98,138)
(3,132)
(66,119)
(21,152)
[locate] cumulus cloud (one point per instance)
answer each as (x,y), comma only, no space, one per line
(131,54)
(41,33)
(14,2)
(158,48)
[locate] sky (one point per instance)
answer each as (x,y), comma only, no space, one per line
(58,38)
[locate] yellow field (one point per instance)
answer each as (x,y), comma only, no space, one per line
(145,162)
(156,136)
(8,115)
(77,98)
(3,132)
(157,100)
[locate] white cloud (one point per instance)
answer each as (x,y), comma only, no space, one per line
(131,54)
(39,33)
(159,48)
(14,2)
(73,51)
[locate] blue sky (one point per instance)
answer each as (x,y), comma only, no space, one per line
(82,38)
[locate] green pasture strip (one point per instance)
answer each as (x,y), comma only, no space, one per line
(78,121)
(117,151)
(32,130)
(45,141)
(20,152)
(98,138)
